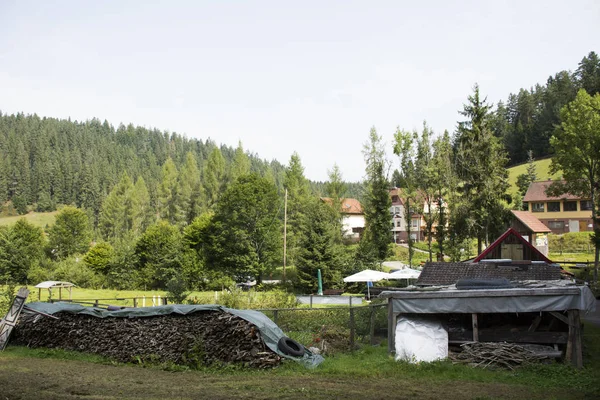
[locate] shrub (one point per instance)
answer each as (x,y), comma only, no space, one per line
(75,271)
(176,290)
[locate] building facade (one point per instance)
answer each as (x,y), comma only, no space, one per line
(564,214)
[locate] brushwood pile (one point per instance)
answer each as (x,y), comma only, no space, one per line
(200,338)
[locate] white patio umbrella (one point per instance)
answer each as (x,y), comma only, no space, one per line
(368,275)
(406,273)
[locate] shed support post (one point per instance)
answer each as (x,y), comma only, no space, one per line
(573,354)
(475,328)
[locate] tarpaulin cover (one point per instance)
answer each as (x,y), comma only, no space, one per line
(269,331)
(493,300)
(420,339)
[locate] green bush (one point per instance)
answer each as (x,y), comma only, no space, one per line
(75,271)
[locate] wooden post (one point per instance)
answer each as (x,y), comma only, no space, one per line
(275,316)
(285,236)
(578,344)
(475,328)
(135,302)
(311,296)
(96,303)
(574,353)
(569,350)
(391,327)
(351,328)
(372,326)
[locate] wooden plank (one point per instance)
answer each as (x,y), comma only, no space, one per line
(10,320)
(560,317)
(485,335)
(536,322)
(475,327)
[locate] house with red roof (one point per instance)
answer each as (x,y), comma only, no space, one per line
(353,217)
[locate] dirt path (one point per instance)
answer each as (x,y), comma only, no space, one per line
(35,378)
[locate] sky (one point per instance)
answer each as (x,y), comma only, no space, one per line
(310,77)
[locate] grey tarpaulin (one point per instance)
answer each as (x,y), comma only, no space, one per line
(269,331)
(493,300)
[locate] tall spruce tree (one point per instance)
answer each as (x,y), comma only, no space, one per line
(319,248)
(480,164)
(298,196)
(374,245)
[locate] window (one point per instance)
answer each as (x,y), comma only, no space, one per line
(414,223)
(398,223)
(585,205)
(558,225)
(537,207)
(570,206)
(554,206)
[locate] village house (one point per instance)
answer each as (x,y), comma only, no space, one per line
(567,213)
(399,226)
(353,217)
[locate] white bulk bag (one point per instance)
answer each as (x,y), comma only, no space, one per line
(420,339)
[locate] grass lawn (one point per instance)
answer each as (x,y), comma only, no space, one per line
(368,373)
(542,169)
(38,219)
(571,257)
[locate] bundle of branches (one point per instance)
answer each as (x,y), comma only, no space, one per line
(201,338)
(496,354)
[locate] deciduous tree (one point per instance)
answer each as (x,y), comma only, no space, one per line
(576,146)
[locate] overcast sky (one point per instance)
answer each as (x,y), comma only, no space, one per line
(283,76)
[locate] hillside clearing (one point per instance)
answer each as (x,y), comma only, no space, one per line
(542,170)
(41,220)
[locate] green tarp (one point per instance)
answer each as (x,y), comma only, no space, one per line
(269,331)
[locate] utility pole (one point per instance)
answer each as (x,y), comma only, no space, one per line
(284,234)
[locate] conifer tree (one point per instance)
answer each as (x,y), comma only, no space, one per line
(214,177)
(241,163)
(142,213)
(298,196)
(167,191)
(374,245)
(116,216)
(480,161)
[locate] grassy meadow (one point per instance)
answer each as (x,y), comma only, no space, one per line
(38,219)
(542,169)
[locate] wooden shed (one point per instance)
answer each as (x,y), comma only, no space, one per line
(540,314)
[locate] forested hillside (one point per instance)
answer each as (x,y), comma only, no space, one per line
(46,162)
(527,119)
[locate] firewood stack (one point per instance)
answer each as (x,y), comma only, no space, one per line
(205,337)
